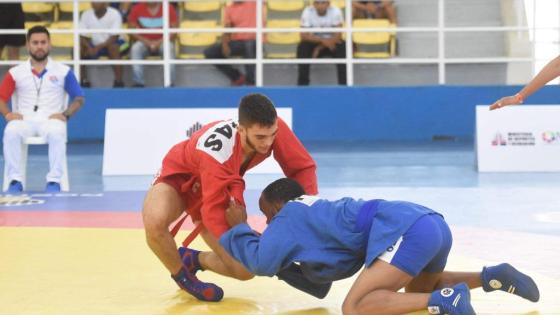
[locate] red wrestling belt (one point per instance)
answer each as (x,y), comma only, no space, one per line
(192,235)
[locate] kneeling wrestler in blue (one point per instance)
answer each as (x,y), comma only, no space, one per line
(401,244)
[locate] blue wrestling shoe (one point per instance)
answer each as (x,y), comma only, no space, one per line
(16,187)
(452,301)
(506,278)
(201,290)
(52,187)
(190,259)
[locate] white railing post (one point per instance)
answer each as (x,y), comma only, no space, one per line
(259,45)
(166,55)
(76,38)
(441,42)
(534,46)
(348,44)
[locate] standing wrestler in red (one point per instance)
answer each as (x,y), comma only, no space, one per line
(204,174)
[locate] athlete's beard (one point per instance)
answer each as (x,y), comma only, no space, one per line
(249,143)
(37,58)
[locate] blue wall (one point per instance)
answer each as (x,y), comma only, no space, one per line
(325,114)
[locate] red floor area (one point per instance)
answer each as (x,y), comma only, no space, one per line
(99,219)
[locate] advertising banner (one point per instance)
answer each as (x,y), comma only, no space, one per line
(136,140)
(522,138)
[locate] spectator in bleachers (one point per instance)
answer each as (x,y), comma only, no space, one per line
(11,17)
(238,14)
(383,9)
(123,8)
(40,86)
(316,45)
(149,15)
(101,16)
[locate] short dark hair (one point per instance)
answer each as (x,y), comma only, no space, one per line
(256,109)
(282,190)
(37,30)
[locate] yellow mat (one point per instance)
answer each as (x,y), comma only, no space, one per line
(112,271)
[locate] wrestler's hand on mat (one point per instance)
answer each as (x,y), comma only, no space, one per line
(506,101)
(235,214)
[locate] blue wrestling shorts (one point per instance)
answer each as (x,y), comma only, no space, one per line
(424,247)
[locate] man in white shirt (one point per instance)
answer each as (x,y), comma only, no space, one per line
(101,16)
(315,45)
(37,89)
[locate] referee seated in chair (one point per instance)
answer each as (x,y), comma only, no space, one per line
(40,86)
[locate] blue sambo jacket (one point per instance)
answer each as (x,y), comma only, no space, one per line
(330,239)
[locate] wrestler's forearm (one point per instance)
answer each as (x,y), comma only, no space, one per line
(547,74)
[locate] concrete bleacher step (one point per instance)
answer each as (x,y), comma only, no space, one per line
(458,13)
(473,13)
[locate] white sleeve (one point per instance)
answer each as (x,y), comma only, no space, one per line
(338,19)
(83,23)
(306,17)
(116,20)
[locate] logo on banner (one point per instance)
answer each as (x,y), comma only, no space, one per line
(551,137)
(34,199)
(515,139)
(24,200)
(521,138)
(194,128)
(499,140)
